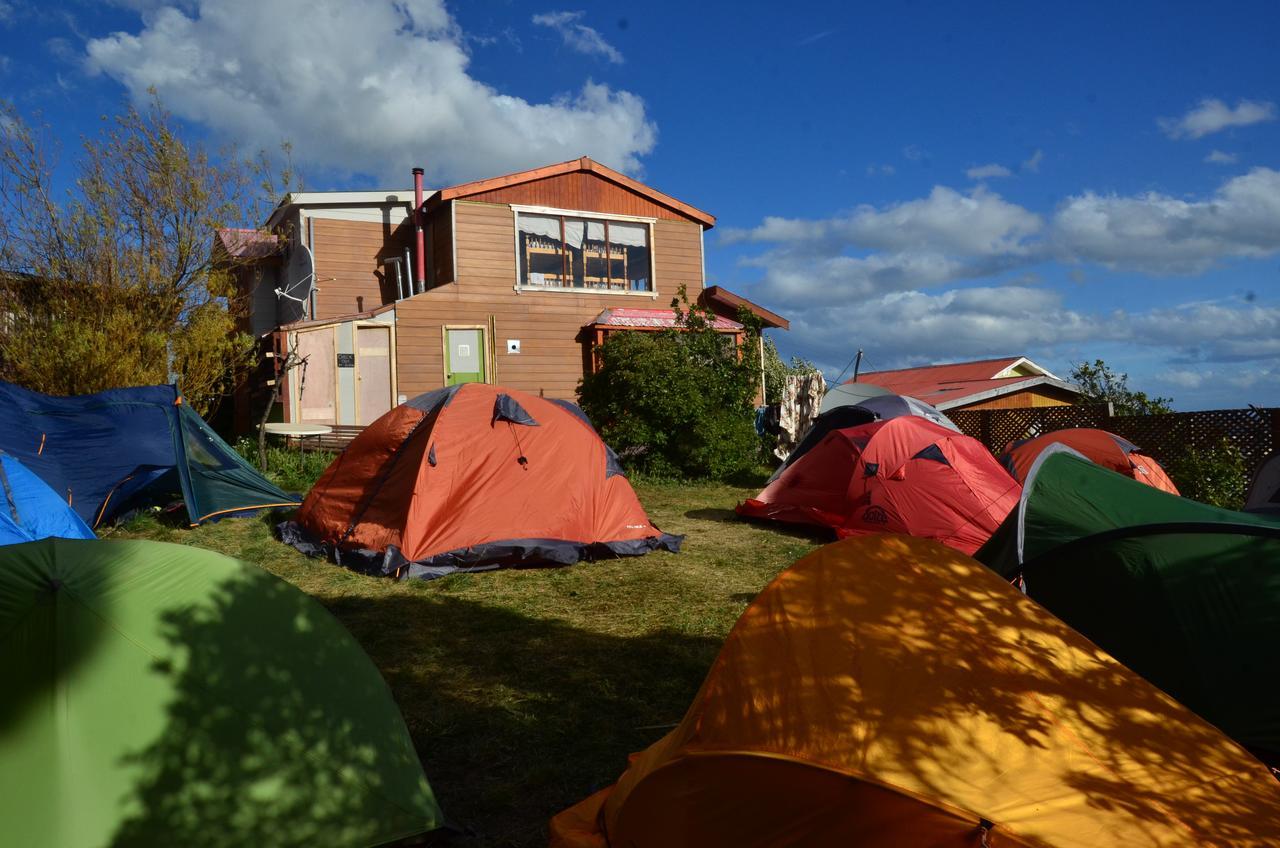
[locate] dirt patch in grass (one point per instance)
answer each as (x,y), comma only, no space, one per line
(525,690)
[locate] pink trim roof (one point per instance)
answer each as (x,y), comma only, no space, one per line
(955,384)
(651,319)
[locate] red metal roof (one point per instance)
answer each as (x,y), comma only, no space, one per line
(728,300)
(955,384)
(651,319)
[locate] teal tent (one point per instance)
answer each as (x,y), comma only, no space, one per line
(159,694)
(108,453)
(1185,594)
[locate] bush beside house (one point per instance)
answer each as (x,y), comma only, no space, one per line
(679,402)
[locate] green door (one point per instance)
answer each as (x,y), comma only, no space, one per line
(463,356)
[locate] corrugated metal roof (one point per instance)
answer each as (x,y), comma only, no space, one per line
(958,383)
(650,319)
(248,244)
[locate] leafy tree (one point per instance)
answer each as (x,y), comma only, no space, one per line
(115,282)
(1217,475)
(776,371)
(679,402)
(1102,385)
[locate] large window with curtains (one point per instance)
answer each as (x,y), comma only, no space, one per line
(570,252)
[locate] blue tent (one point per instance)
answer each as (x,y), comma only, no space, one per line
(30,510)
(112,452)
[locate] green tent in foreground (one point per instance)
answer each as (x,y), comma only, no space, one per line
(1185,594)
(158,694)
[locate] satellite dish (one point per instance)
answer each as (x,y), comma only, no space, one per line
(850,394)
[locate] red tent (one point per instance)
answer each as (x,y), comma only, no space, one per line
(469,478)
(1099,446)
(904,475)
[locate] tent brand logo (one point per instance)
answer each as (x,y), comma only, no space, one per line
(875,515)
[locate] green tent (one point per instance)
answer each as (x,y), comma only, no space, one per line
(1185,594)
(159,694)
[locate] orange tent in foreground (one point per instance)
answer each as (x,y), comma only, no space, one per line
(469,478)
(1098,446)
(889,691)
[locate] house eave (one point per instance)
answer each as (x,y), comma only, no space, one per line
(1032,382)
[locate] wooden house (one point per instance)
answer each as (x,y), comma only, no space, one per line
(508,280)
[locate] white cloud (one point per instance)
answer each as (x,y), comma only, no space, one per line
(1212,115)
(986,172)
(913,327)
(1217,157)
(577,36)
(979,223)
(1032,164)
(948,236)
(60,48)
(369,88)
(1158,234)
(914,153)
(816,37)
(874,170)
(1185,378)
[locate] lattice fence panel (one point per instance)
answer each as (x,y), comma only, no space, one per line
(1256,432)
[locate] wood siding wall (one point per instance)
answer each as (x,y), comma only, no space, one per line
(1040,396)
(349,272)
(579,190)
(548,324)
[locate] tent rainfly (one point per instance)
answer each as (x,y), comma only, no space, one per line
(470,478)
(115,451)
(888,692)
(901,475)
(1264,490)
(1185,594)
(159,694)
(1106,449)
(30,510)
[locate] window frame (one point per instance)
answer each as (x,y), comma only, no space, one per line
(601,217)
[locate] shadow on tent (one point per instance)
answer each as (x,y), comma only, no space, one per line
(185,777)
(991,665)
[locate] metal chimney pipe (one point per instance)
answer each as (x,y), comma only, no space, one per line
(420,265)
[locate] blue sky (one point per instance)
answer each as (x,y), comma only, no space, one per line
(928,182)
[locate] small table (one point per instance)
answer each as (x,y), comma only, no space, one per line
(298,431)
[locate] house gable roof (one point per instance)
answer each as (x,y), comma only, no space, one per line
(962,383)
(720,296)
(581,165)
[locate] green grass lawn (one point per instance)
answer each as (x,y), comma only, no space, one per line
(525,690)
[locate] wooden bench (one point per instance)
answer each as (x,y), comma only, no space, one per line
(334,441)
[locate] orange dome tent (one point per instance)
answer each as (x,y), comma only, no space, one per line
(887,691)
(1100,447)
(901,475)
(469,478)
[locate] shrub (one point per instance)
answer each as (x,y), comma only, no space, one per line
(776,371)
(1215,475)
(677,403)
(290,469)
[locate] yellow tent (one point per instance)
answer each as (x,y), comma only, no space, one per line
(889,691)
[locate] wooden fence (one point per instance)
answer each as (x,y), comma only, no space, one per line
(1255,431)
